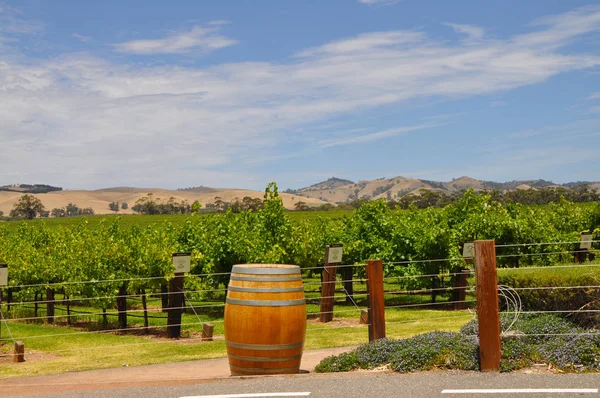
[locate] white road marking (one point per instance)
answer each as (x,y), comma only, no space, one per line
(253,395)
(523,390)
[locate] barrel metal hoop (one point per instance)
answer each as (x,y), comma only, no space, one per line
(265,290)
(238,369)
(266,279)
(265,347)
(265,271)
(265,303)
(265,359)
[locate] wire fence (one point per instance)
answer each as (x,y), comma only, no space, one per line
(196,303)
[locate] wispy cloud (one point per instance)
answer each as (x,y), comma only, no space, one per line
(384,2)
(364,138)
(81,38)
(474,33)
(219,22)
(594,96)
(198,39)
(104,119)
(595,109)
(12,24)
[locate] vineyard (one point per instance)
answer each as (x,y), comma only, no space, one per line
(95,275)
(59,258)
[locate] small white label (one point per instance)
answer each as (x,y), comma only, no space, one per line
(469,250)
(586,241)
(335,254)
(182,261)
(3,275)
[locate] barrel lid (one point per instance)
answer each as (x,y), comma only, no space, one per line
(266,269)
(266,266)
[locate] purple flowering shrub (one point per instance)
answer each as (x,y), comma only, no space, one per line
(425,351)
(575,352)
(447,350)
(517,353)
(545,338)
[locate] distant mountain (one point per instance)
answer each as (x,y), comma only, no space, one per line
(337,190)
(331,183)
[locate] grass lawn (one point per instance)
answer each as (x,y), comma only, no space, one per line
(57,349)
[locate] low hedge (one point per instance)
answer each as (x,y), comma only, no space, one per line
(557,289)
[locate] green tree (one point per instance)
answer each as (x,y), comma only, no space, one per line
(28,207)
(59,212)
(114,206)
(72,210)
(300,206)
(196,206)
(124,206)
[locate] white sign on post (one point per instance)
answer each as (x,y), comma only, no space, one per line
(586,241)
(468,250)
(334,254)
(3,275)
(181,261)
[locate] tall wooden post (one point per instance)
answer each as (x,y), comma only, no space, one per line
(176,300)
(376,301)
(488,314)
(327,289)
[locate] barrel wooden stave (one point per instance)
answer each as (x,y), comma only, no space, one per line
(266,327)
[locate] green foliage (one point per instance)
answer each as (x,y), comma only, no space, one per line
(338,363)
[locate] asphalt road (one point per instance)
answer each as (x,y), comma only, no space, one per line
(356,384)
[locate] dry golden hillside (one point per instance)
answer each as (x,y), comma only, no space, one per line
(100,199)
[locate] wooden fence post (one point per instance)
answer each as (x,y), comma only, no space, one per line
(50,305)
(19,353)
(176,301)
(459,295)
(376,301)
(488,315)
(327,289)
(207,331)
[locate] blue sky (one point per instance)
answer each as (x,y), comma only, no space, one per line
(240,93)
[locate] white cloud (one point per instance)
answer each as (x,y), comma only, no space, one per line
(197,39)
(595,109)
(81,38)
(82,121)
(594,96)
(474,33)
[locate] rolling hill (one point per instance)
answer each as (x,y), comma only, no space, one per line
(336,190)
(333,190)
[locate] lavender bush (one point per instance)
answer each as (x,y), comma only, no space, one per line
(538,338)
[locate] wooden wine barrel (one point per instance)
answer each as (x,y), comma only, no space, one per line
(265,319)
